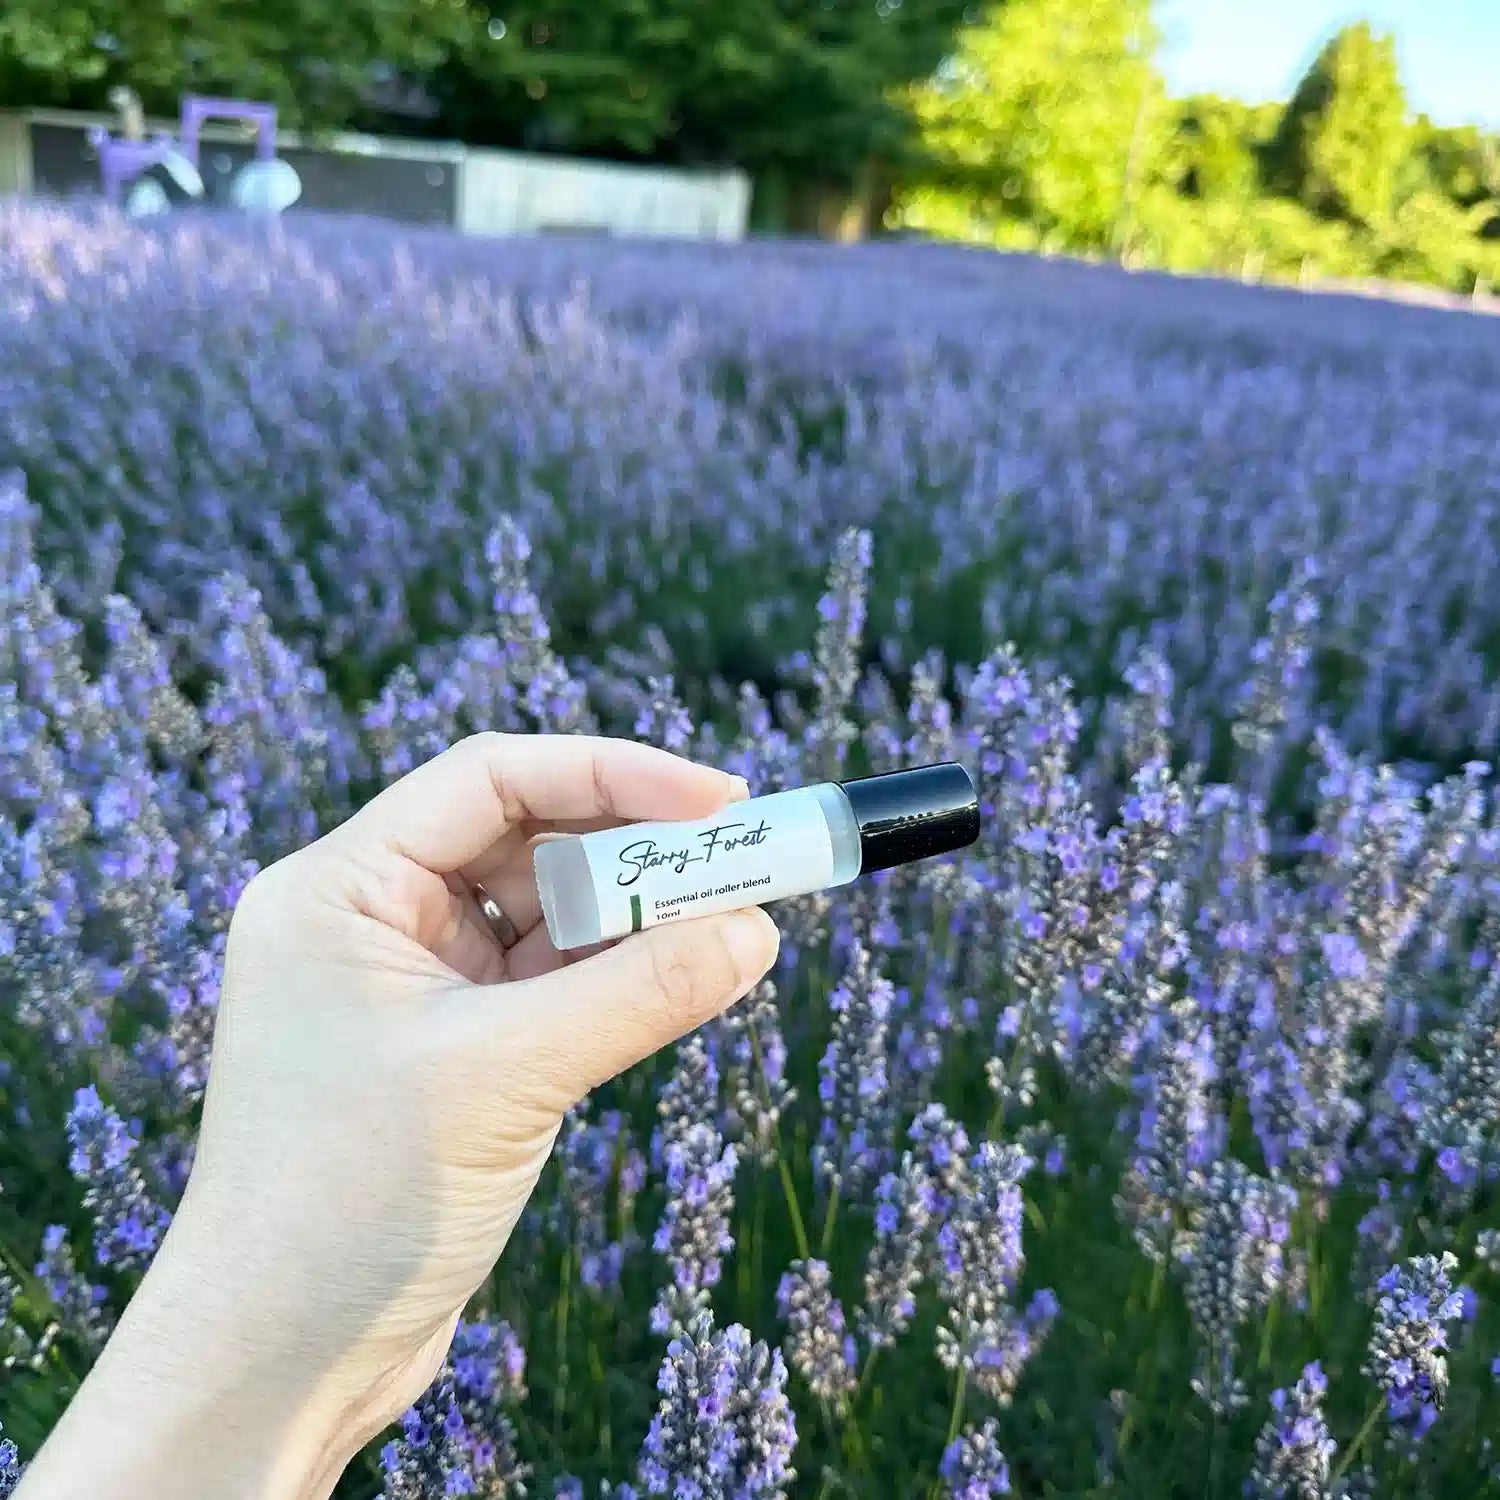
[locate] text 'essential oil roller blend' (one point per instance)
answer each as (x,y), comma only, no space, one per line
(597,886)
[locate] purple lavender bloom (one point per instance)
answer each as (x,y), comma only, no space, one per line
(137,689)
(1462,1122)
(1407,1356)
(489,1363)
(724,1429)
(690,1096)
(757,1090)
(904,1206)
(42,947)
(601,1171)
(1281,658)
(661,718)
(12,1470)
(17,1347)
(819,1346)
(929,715)
(1176,1129)
(854,1139)
(979,1262)
(554,700)
(433,1453)
(1294,1451)
(1147,716)
(695,1234)
(277,740)
(1233,1261)
(837,652)
(941,1145)
(128,1222)
(458,1439)
(973,1466)
(79,1304)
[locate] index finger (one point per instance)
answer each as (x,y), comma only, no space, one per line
(448,812)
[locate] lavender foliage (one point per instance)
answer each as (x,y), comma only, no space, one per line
(1199,581)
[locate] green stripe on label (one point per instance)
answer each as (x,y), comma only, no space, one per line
(635,913)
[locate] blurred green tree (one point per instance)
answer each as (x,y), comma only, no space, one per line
(1345,134)
(1213,149)
(1046,117)
(319,60)
(805,93)
(802,92)
(1432,238)
(1460,162)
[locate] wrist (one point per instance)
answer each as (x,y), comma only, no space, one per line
(204,1389)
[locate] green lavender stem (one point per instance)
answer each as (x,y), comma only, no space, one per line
(1360,1439)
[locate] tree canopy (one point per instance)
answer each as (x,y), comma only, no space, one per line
(806,87)
(760,82)
(1044,115)
(1050,127)
(1345,134)
(315,59)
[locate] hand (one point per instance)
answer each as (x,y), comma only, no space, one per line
(386,1086)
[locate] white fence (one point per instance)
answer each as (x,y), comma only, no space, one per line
(504,192)
(15,155)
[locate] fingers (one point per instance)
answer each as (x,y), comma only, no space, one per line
(450,811)
(595,1018)
(506,872)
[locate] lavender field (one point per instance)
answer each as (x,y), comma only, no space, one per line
(1151,1150)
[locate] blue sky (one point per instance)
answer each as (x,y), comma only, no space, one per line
(1257,49)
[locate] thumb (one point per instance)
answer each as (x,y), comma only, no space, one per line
(596,1018)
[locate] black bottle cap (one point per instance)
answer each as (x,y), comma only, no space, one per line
(907,815)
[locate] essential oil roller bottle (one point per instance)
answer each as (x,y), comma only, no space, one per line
(597,886)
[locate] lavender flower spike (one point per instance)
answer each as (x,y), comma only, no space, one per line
(980,1262)
(1234,1262)
(819,1346)
(128,1222)
(1294,1452)
(904,1207)
(1407,1357)
(724,1429)
(836,655)
(80,1305)
(12,1470)
(854,1142)
(458,1439)
(694,1234)
(973,1466)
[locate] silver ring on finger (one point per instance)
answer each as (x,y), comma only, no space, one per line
(502,929)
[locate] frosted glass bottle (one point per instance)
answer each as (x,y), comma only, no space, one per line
(604,885)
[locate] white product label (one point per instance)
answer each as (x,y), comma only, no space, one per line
(750,853)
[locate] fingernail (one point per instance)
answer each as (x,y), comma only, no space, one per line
(739,788)
(753,940)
